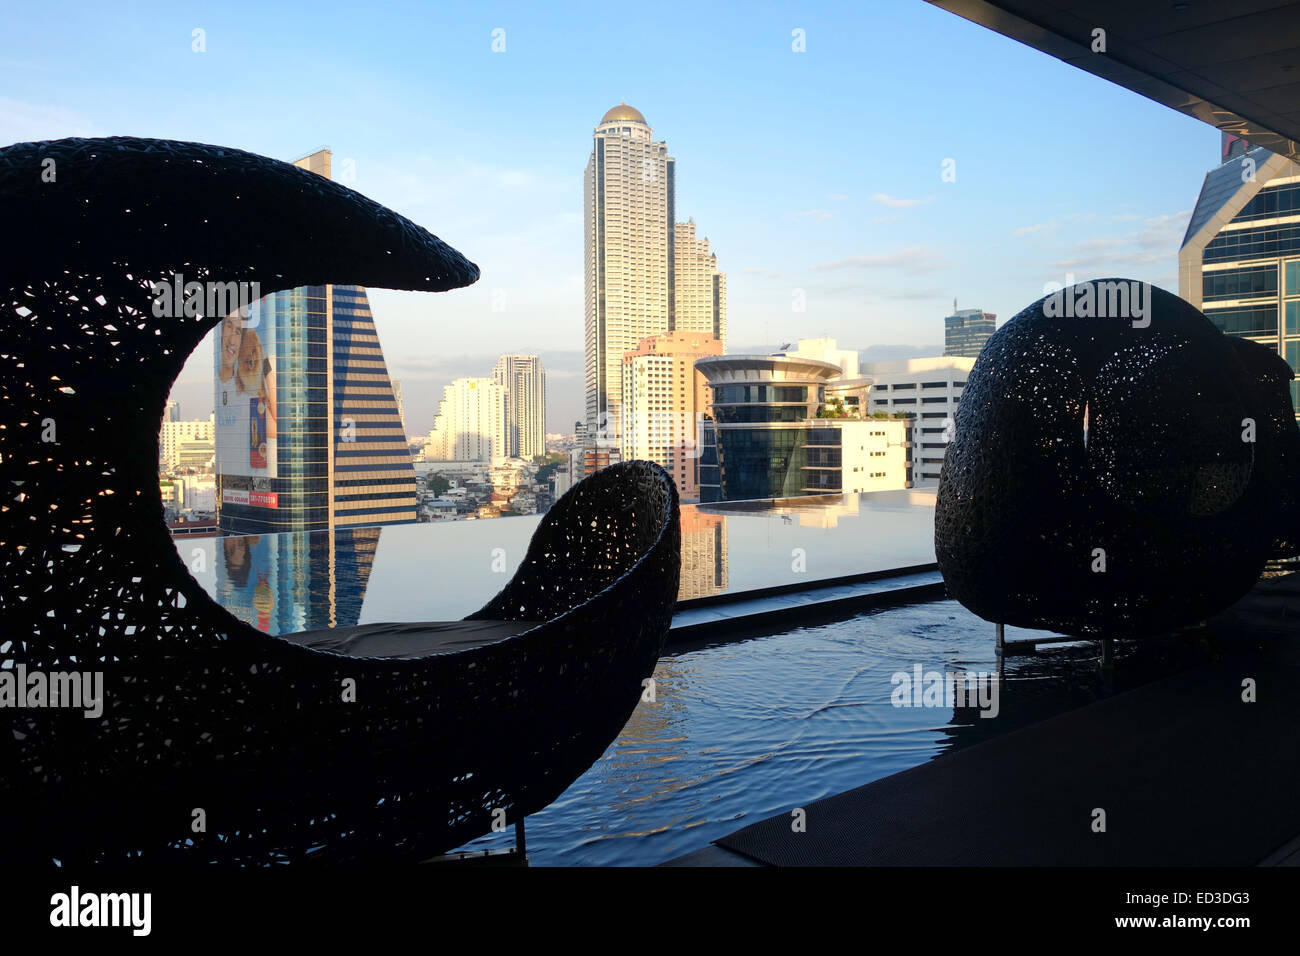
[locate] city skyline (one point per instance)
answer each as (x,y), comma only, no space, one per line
(817,171)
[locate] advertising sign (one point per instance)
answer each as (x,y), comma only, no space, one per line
(245,395)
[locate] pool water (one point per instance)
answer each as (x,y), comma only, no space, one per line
(747,729)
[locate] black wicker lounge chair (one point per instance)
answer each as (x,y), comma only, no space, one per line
(215,742)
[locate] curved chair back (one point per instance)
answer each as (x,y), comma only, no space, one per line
(286,752)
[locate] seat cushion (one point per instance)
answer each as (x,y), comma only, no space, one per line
(409,638)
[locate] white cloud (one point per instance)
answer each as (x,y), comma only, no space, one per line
(1157,240)
(916,259)
(894,202)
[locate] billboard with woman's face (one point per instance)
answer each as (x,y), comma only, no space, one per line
(245,397)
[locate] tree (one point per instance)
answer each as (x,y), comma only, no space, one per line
(437,484)
(834,408)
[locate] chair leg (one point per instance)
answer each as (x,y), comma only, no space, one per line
(1107,653)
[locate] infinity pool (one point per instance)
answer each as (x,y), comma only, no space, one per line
(739,730)
(747,729)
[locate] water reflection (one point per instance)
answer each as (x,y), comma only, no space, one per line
(445,570)
(745,730)
(283,583)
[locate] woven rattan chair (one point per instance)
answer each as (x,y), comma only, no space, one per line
(1114,474)
(216,742)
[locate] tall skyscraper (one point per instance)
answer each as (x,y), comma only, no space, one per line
(308,434)
(471,422)
(664,396)
(634,251)
(966,331)
(699,289)
(628,211)
(525,379)
(1240,258)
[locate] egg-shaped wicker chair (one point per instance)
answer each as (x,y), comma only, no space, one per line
(217,743)
(1116,472)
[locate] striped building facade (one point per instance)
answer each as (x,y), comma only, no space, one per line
(338,455)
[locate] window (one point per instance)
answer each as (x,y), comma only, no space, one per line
(1240,283)
(1245,320)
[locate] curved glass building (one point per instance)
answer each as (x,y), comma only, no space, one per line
(766,439)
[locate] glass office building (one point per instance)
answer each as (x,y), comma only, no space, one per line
(308,431)
(764,438)
(966,331)
(1240,258)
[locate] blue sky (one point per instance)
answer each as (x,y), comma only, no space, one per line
(818,171)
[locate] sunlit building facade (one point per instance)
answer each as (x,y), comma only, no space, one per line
(1240,258)
(665,397)
(524,379)
(645,274)
(471,422)
(966,331)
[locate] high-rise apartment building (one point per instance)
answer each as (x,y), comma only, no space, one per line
(471,422)
(628,213)
(525,379)
(308,434)
(1240,258)
(664,396)
(632,259)
(699,289)
(966,331)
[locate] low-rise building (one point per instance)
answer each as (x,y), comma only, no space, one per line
(930,388)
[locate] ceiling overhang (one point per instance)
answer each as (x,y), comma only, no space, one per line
(1235,66)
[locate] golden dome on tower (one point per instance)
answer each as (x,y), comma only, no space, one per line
(623,113)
